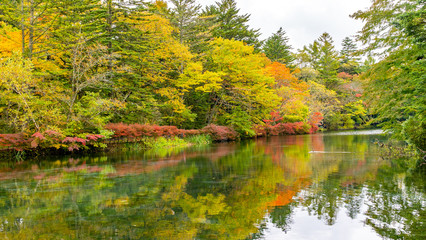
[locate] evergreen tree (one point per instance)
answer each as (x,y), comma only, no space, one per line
(193,29)
(328,62)
(349,62)
(230,25)
(277,49)
(322,56)
(348,50)
(184,15)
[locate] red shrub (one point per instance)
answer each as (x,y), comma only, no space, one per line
(94,137)
(192,132)
(17,141)
(119,129)
(283,129)
(220,133)
(138,130)
(344,75)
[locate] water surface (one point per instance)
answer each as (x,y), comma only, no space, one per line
(323,186)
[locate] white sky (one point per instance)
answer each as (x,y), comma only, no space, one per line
(303,20)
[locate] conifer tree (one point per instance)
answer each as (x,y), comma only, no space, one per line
(229,24)
(348,50)
(349,62)
(277,49)
(184,15)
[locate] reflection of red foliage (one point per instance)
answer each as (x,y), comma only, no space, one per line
(317,142)
(284,198)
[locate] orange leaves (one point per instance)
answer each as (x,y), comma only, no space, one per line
(284,77)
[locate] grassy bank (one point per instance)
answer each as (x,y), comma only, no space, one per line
(148,143)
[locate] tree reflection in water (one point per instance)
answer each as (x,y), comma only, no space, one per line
(227,191)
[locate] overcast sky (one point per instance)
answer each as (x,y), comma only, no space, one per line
(303,20)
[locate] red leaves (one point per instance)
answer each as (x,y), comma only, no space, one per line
(94,137)
(47,139)
(221,133)
(16,141)
(345,76)
(38,135)
(74,140)
(218,133)
(145,130)
(315,121)
(275,126)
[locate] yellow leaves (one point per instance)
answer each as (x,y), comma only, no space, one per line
(154,24)
(203,81)
(10,40)
(174,99)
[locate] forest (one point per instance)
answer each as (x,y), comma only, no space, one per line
(73,72)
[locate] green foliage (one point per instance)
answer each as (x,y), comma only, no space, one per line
(240,121)
(23,105)
(399,78)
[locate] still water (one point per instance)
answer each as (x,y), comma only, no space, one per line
(323,186)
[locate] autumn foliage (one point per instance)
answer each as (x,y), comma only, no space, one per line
(136,131)
(47,139)
(122,130)
(274,126)
(220,133)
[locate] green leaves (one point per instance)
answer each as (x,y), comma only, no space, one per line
(399,79)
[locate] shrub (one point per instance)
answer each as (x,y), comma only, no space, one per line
(220,133)
(16,141)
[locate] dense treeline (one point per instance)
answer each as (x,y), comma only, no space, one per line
(75,66)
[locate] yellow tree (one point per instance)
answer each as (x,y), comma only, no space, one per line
(23,106)
(239,93)
(163,65)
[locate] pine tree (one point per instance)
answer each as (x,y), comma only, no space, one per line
(328,62)
(349,63)
(348,50)
(277,49)
(230,25)
(194,29)
(184,15)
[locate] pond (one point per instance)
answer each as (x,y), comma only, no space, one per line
(322,186)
